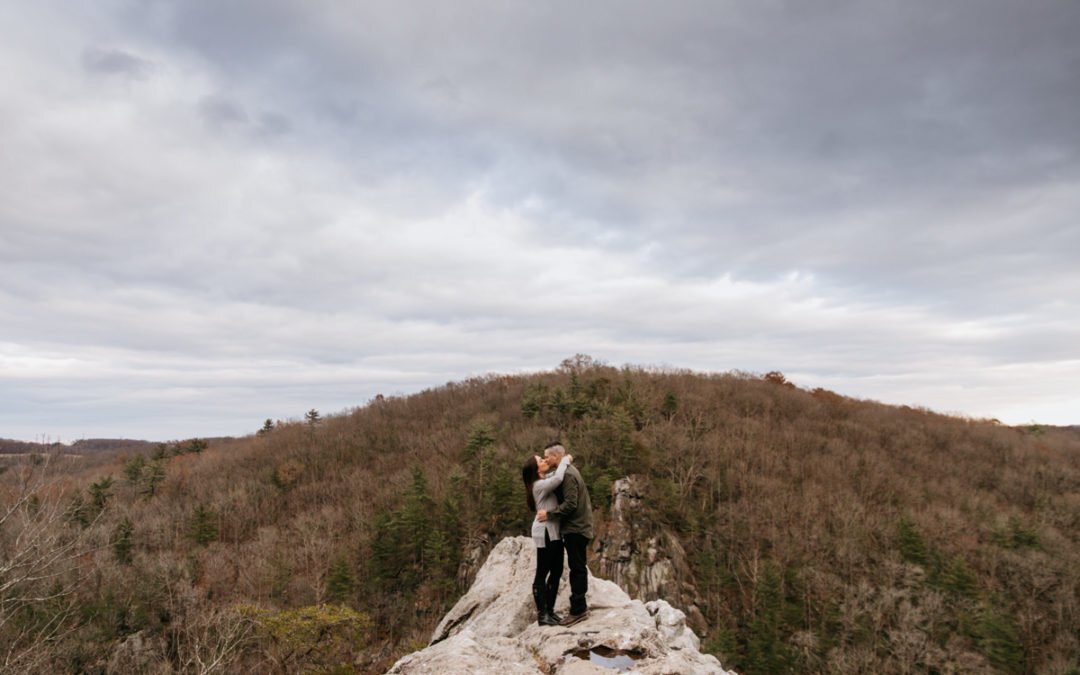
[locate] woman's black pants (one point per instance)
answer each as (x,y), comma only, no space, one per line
(549,566)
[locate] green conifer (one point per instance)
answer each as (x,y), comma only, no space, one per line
(340,582)
(121,541)
(202,526)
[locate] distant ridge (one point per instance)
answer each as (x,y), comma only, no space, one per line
(83,446)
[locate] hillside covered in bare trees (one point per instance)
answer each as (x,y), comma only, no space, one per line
(821,533)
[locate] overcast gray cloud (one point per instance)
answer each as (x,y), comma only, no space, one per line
(214,213)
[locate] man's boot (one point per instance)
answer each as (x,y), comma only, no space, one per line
(574,617)
(542,616)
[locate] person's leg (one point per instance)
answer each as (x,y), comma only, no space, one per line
(555,568)
(576,547)
(541,567)
(543,570)
(539,589)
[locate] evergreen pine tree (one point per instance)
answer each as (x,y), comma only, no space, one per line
(579,403)
(561,405)
(133,468)
(910,542)
(766,651)
(341,581)
(438,556)
(79,511)
(202,526)
(505,505)
(481,437)
(386,559)
(479,456)
(670,405)
(415,517)
(447,539)
(999,639)
(152,478)
(121,541)
(100,493)
(534,400)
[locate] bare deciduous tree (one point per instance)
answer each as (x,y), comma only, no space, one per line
(39,564)
(206,638)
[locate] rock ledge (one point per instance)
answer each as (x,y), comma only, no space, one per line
(492,629)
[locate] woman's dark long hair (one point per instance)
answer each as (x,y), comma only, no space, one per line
(530,473)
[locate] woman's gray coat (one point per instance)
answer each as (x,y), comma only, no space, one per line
(544,496)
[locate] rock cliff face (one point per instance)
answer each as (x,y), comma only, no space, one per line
(646,561)
(493,629)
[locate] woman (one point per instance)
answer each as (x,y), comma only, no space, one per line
(540,494)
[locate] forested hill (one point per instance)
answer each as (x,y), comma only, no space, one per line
(822,533)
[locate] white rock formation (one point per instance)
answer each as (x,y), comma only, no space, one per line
(646,561)
(493,629)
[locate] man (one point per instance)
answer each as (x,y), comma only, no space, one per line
(576,524)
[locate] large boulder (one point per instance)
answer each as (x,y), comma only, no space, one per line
(493,629)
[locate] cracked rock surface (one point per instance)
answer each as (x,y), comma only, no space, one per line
(493,629)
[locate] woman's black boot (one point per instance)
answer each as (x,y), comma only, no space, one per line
(551,594)
(543,617)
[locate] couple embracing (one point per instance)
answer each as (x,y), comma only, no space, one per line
(555,490)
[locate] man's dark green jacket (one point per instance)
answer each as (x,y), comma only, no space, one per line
(575,509)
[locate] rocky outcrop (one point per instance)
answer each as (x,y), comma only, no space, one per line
(139,653)
(493,629)
(645,560)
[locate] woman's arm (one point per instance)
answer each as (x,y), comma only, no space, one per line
(542,487)
(568,504)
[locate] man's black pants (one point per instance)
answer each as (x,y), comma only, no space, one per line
(576,548)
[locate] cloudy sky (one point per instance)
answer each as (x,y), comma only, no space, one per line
(212,213)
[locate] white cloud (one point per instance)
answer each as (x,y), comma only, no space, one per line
(203,226)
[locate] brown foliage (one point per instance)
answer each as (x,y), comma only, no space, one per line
(897,539)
